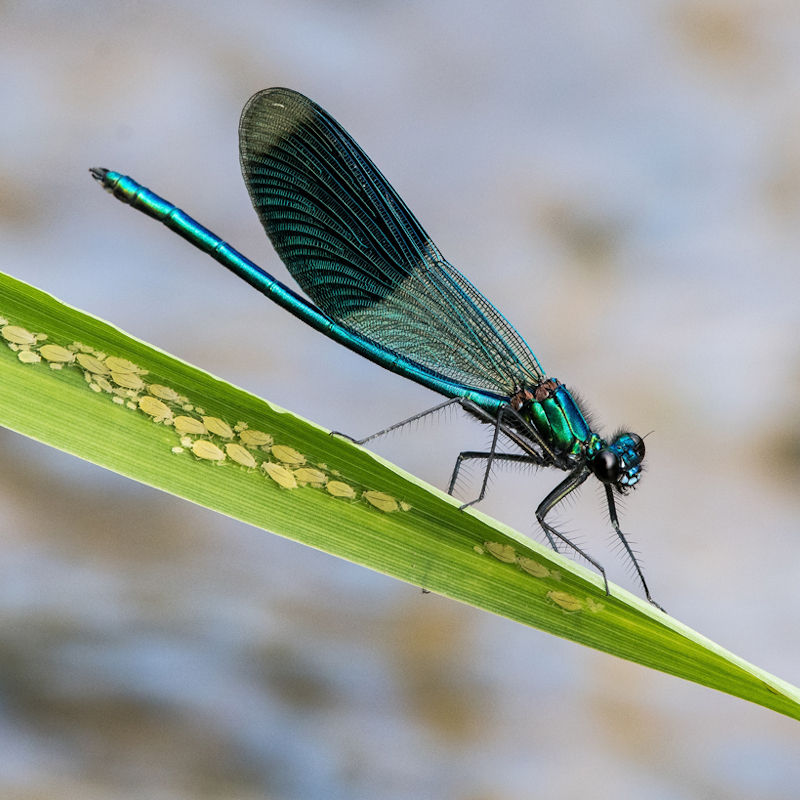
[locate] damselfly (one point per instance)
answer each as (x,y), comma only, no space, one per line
(382,288)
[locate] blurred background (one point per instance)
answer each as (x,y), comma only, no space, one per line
(622,179)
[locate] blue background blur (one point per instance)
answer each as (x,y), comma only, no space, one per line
(623,180)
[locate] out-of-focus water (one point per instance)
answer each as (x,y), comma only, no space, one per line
(623,181)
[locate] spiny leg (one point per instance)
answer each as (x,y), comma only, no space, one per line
(490,456)
(527,442)
(452,401)
(568,485)
(533,455)
(612,512)
(466,455)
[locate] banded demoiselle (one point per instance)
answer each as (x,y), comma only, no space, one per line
(382,288)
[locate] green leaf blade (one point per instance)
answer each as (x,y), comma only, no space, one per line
(347,502)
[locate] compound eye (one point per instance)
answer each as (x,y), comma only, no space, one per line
(638,445)
(606,466)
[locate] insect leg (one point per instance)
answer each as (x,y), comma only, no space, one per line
(490,456)
(612,512)
(452,401)
(542,456)
(548,457)
(531,455)
(568,485)
(520,458)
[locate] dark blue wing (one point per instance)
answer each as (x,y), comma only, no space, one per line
(360,254)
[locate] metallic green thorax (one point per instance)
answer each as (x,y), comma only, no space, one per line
(555,415)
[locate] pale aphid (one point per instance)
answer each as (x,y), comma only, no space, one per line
(312,476)
(253,438)
(127,380)
(204,449)
(116,364)
(92,364)
(185,424)
(219,427)
(241,455)
(288,455)
(14,334)
(341,489)
(533,567)
(502,552)
(163,392)
(56,353)
(381,501)
(282,476)
(154,408)
(565,600)
(29,356)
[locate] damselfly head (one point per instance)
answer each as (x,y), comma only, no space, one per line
(619,463)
